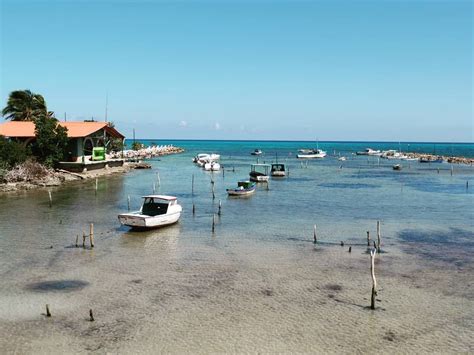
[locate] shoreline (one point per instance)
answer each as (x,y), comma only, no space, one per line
(59,177)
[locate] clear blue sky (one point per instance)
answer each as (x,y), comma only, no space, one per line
(327,70)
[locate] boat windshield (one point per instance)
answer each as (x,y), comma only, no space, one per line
(278,167)
(154,206)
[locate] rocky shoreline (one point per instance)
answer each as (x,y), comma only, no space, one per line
(448,159)
(22,179)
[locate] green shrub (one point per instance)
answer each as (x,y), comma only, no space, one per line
(12,153)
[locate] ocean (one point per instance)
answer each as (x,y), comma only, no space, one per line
(258,283)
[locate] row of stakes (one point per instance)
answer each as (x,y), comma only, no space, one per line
(91,313)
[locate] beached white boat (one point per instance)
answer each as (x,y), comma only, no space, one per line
(369,151)
(278,170)
(244,188)
(259,172)
(212,166)
(156,211)
(312,154)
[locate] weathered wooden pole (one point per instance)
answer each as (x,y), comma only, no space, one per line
(438,170)
(83,239)
(220,207)
(368,238)
(374,281)
(194,209)
(268,185)
(50,199)
(378,236)
(91,234)
(213,222)
(223,172)
(77,240)
(350,249)
(96,185)
(315,238)
(128,202)
(467,185)
(288,172)
(91,315)
(48,313)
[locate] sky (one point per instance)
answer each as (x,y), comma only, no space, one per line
(387,70)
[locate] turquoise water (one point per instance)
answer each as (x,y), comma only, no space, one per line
(447,149)
(258,283)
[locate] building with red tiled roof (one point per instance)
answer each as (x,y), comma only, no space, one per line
(84,136)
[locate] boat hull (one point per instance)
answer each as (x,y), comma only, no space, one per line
(140,221)
(237,192)
(259,178)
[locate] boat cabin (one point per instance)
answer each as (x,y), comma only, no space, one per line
(155,205)
(278,168)
(245,184)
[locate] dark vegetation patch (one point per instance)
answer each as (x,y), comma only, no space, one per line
(333,287)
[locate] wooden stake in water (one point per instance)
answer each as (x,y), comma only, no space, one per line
(83,239)
(128,202)
(91,234)
(288,172)
(368,238)
(91,315)
(378,236)
(220,207)
(192,185)
(194,209)
(452,169)
(374,281)
(96,185)
(213,193)
(315,238)
(213,222)
(268,185)
(158,178)
(77,240)
(50,199)
(48,313)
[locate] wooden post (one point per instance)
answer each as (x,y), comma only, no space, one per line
(48,313)
(315,238)
(91,315)
(223,172)
(368,238)
(194,209)
(77,240)
(288,172)
(128,202)
(213,193)
(233,169)
(220,207)
(342,243)
(96,185)
(438,170)
(374,281)
(91,234)
(452,168)
(268,185)
(83,239)
(213,222)
(467,185)
(158,178)
(50,199)
(378,236)
(192,185)
(350,249)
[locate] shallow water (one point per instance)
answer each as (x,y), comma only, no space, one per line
(258,284)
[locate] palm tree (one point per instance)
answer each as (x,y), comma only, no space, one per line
(23,105)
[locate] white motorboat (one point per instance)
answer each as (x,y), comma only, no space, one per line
(278,170)
(312,154)
(256,152)
(342,159)
(212,166)
(156,211)
(205,157)
(259,172)
(369,151)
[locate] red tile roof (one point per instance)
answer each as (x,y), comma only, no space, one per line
(26,129)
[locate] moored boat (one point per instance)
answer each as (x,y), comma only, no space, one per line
(256,152)
(244,188)
(397,167)
(312,154)
(212,166)
(278,170)
(156,211)
(369,151)
(259,172)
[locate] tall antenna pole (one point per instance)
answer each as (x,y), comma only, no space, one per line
(106,104)
(65,117)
